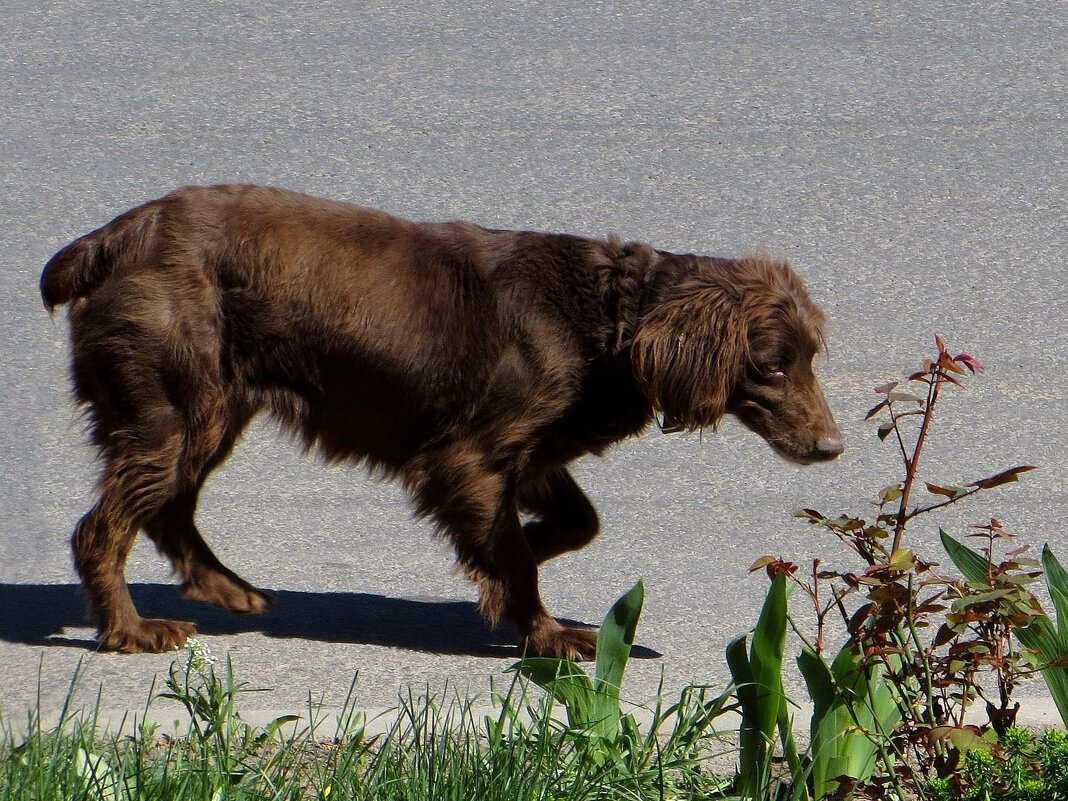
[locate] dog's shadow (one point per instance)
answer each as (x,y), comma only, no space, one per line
(37,614)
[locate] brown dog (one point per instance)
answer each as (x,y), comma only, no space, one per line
(472,364)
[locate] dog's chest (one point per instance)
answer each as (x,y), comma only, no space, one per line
(609,407)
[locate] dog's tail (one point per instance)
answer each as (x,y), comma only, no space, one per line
(84,264)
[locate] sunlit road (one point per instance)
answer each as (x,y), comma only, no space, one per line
(910,158)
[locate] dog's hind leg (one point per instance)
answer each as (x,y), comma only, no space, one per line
(564,519)
(139,476)
(204,577)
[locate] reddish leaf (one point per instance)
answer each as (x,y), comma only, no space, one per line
(940,344)
(885,389)
(1004,477)
(969,361)
(948,492)
(773,566)
(884,650)
(945,361)
(944,635)
(874,410)
(884,430)
(811,515)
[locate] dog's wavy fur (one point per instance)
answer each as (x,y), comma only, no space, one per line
(472,364)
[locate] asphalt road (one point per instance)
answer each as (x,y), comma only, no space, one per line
(911,158)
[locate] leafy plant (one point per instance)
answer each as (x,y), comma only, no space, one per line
(853,711)
(609,741)
(210,700)
(1036,632)
(889,708)
(593,706)
(1020,769)
(852,706)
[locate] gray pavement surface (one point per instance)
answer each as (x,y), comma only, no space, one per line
(911,158)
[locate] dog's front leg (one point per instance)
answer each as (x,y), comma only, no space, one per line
(507,578)
(478,512)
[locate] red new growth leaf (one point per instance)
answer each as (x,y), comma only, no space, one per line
(1004,477)
(774,566)
(948,492)
(940,344)
(945,361)
(969,361)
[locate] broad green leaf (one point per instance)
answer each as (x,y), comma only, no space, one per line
(1057,583)
(1060,604)
(890,494)
(100,781)
(758,679)
(614,643)
(273,727)
(567,683)
(823,727)
(738,662)
(902,559)
(752,744)
(971,564)
(963,738)
(848,700)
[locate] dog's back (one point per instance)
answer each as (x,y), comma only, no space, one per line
(364,334)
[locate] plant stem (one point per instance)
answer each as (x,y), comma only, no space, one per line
(925,509)
(912,465)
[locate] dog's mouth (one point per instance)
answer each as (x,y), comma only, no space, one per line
(811,449)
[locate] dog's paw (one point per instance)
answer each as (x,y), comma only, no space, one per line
(148,636)
(563,643)
(228,592)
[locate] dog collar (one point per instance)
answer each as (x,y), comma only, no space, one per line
(647,292)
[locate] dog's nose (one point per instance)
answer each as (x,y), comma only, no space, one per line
(830,447)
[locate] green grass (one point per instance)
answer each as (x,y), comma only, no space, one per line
(514,745)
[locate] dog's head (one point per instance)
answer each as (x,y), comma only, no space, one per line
(739,337)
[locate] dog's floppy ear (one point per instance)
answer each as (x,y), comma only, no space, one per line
(689,349)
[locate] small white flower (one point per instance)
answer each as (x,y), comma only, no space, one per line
(200,657)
